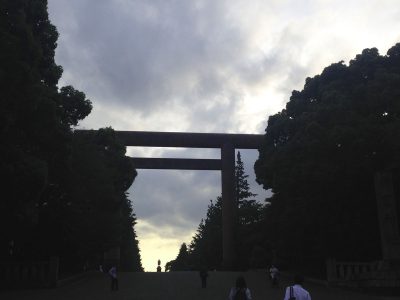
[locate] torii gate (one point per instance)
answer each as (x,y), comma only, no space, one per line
(226,142)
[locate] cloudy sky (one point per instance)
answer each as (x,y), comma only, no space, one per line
(202,66)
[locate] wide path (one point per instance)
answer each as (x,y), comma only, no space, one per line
(175,286)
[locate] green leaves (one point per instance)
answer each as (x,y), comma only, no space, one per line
(322,151)
(68,193)
(73,106)
(205,249)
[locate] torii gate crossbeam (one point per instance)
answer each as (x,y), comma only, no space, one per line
(176,163)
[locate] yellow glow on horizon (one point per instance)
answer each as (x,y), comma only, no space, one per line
(158,244)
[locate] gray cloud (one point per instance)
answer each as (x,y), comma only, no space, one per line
(177,198)
(151,56)
(200,55)
(180,198)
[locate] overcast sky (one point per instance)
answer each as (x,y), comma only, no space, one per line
(202,66)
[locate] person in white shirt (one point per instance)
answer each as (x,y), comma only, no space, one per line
(297,291)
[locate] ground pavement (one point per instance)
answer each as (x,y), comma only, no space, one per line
(176,286)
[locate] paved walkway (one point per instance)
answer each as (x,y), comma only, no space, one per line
(175,286)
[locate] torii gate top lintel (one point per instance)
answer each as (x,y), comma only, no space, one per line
(189,139)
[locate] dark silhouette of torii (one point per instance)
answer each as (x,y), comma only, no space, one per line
(226,142)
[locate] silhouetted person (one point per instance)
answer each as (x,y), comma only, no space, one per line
(297,291)
(240,291)
(203,276)
(274,275)
(114,280)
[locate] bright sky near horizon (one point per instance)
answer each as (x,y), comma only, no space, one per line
(202,66)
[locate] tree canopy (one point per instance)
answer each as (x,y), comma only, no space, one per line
(320,154)
(205,249)
(62,194)
(181,261)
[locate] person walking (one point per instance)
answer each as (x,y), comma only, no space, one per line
(296,291)
(203,276)
(274,275)
(240,291)
(114,280)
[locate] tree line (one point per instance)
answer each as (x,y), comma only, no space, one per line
(63,193)
(319,157)
(205,249)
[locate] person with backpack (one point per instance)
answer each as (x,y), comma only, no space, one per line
(296,291)
(240,291)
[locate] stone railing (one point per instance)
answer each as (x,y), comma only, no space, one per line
(345,271)
(362,274)
(29,274)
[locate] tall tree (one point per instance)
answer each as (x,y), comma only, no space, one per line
(181,261)
(205,249)
(320,155)
(95,213)
(35,132)
(249,216)
(249,209)
(242,187)
(61,195)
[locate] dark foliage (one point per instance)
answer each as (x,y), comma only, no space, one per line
(52,203)
(320,155)
(205,249)
(181,261)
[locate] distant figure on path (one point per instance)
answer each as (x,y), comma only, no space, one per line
(297,291)
(159,267)
(240,291)
(274,275)
(203,276)
(114,280)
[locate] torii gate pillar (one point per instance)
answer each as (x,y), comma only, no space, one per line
(228,205)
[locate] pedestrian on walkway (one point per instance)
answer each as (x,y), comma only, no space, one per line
(203,276)
(296,291)
(114,280)
(240,291)
(274,275)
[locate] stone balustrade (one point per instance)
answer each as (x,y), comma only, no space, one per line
(29,274)
(362,274)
